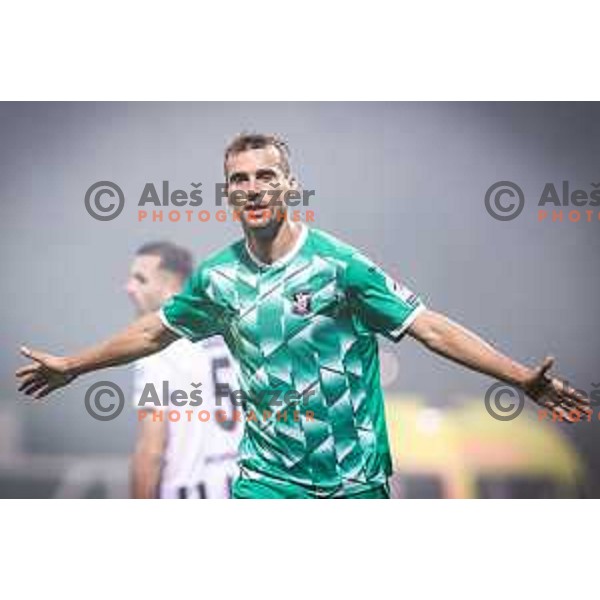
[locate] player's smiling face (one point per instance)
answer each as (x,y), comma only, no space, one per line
(253,174)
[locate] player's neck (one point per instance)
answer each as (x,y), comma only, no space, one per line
(268,249)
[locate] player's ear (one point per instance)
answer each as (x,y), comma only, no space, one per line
(226,192)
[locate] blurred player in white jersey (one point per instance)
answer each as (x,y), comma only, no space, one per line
(187,458)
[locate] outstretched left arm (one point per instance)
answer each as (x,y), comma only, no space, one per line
(443,336)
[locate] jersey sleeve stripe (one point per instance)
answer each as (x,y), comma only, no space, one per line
(163,317)
(401,330)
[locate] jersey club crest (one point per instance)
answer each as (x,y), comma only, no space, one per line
(301,303)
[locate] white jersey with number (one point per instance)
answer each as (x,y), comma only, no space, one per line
(200,459)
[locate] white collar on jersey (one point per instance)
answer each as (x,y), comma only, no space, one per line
(286,257)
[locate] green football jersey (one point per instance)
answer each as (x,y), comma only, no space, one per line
(303,331)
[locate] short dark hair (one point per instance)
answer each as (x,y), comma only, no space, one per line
(257,141)
(173,258)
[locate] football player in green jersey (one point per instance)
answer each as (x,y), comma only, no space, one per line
(300,312)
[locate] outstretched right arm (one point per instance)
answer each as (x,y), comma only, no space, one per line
(47,373)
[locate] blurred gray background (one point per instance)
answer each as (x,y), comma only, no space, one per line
(405,182)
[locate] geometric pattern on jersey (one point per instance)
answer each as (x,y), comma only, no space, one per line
(303,329)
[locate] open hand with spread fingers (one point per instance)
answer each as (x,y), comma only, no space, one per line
(44,374)
(554,394)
